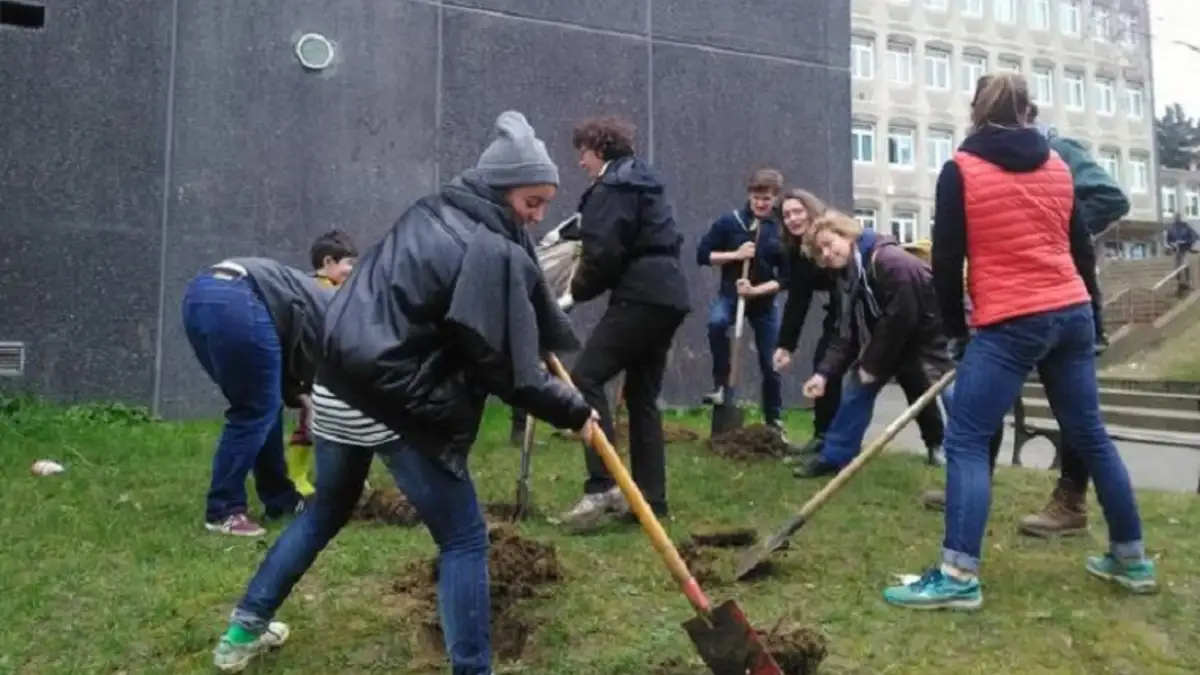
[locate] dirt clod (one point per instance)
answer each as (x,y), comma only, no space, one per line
(757,441)
(799,650)
(502,512)
(388,506)
(519,570)
(739,538)
(702,553)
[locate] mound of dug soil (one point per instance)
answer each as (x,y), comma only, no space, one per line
(799,650)
(702,553)
(519,569)
(388,506)
(757,441)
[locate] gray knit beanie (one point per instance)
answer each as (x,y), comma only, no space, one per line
(517,156)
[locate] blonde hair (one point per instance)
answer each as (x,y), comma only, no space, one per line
(833,221)
(814,206)
(1001,99)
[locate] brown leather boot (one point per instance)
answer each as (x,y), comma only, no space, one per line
(1063,516)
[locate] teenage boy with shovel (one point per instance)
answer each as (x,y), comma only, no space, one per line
(750,234)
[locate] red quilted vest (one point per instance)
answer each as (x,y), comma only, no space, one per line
(1018,243)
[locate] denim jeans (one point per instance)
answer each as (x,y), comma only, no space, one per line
(1060,345)
(844,438)
(236,343)
(763,316)
(446,505)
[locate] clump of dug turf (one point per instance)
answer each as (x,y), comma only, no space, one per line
(799,650)
(519,570)
(701,552)
(757,441)
(388,506)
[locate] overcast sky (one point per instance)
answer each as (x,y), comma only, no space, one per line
(1176,66)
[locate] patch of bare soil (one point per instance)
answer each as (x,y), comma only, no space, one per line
(757,441)
(520,570)
(799,650)
(388,506)
(705,553)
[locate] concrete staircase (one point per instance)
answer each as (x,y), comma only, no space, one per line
(1161,412)
(1118,275)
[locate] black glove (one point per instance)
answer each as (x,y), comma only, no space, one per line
(958,347)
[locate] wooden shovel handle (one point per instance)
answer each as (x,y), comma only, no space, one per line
(645,515)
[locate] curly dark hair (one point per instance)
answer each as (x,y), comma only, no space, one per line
(609,137)
(334,244)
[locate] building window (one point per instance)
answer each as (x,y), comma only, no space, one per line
(1010,65)
(1100,24)
(1070,18)
(1170,200)
(939,147)
(900,63)
(865,217)
(972,67)
(1111,163)
(1074,91)
(1139,175)
(1193,203)
(1005,11)
(862,58)
(972,8)
(1135,101)
(901,143)
(862,150)
(1106,96)
(1039,14)
(937,5)
(904,226)
(1129,29)
(937,69)
(1043,86)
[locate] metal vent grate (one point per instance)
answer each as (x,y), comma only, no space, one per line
(12,359)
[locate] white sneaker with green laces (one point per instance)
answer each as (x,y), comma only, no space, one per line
(233,657)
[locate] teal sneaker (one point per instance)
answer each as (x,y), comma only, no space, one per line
(1138,577)
(937,590)
(238,648)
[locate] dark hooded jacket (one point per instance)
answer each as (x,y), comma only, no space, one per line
(449,307)
(805,278)
(1014,150)
(727,233)
(889,315)
(630,242)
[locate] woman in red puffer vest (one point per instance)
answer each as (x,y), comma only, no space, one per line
(1005,203)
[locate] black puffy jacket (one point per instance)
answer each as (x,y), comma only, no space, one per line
(448,308)
(630,243)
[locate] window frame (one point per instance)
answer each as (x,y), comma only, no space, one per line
(863,130)
(898,52)
(934,58)
(896,134)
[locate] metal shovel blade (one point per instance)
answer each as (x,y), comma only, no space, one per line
(729,645)
(726,417)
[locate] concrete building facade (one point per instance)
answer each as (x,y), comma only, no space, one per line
(914,64)
(143,141)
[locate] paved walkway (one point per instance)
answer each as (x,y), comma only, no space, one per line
(1151,466)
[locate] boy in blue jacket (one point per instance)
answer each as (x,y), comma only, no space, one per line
(751,233)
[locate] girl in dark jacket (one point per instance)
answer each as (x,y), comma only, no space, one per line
(888,326)
(449,307)
(800,208)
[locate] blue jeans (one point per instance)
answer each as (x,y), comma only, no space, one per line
(236,343)
(764,320)
(446,505)
(845,434)
(1060,345)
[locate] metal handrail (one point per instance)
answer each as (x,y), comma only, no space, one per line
(1171,275)
(1120,294)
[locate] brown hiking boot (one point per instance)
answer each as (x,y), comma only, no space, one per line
(1063,516)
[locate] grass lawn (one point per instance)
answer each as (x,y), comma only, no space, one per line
(106,568)
(1175,359)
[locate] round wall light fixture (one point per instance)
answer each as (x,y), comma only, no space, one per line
(314,51)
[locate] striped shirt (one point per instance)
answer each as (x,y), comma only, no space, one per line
(335,421)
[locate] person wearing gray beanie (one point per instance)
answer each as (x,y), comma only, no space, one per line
(517,156)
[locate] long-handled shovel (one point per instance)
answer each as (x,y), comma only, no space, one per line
(750,562)
(727,416)
(725,640)
(521,506)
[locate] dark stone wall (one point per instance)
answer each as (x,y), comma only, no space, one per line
(143,140)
